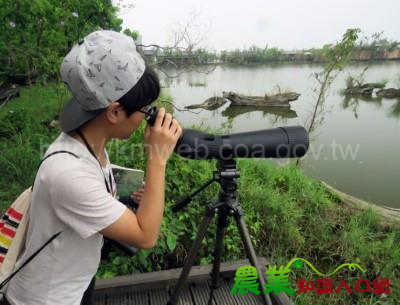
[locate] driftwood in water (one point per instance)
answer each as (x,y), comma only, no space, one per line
(388,93)
(276,100)
(389,215)
(233,111)
(363,89)
(211,103)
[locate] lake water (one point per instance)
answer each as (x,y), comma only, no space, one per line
(356,143)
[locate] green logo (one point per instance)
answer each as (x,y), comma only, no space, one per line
(277,278)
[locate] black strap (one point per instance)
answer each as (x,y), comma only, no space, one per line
(109,188)
(127,249)
(3,283)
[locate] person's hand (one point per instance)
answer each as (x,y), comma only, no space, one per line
(137,196)
(160,139)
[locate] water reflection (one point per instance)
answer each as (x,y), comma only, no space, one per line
(353,103)
(394,110)
(234,111)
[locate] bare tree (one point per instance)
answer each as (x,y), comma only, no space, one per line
(188,40)
(190,34)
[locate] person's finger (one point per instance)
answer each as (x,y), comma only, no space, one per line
(174,125)
(147,130)
(136,197)
(160,117)
(178,131)
(167,121)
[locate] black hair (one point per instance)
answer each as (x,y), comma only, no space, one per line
(146,91)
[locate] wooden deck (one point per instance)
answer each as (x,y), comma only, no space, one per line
(155,288)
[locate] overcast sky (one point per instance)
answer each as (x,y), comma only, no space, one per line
(288,24)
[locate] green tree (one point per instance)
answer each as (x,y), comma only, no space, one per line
(336,57)
(35,35)
(133,34)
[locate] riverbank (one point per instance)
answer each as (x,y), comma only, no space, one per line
(260,56)
(288,214)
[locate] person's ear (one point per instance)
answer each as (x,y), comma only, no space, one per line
(114,112)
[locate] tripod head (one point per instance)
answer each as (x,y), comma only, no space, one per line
(226,175)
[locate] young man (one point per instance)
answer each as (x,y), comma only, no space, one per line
(75,195)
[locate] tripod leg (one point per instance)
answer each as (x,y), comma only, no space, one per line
(251,255)
(219,246)
(192,256)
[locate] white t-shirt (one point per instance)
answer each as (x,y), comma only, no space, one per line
(69,196)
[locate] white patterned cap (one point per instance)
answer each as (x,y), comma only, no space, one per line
(98,70)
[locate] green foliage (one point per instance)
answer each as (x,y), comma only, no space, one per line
(133,34)
(253,54)
(36,35)
(356,80)
(25,134)
(338,55)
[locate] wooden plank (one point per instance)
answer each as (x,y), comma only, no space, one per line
(158,296)
(139,297)
(185,297)
(223,295)
(200,292)
(122,296)
(169,277)
(100,298)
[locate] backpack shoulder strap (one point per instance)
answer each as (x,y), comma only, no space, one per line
(51,154)
(3,283)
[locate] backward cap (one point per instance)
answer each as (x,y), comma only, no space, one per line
(101,68)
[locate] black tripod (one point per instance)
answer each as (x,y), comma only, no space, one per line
(226,205)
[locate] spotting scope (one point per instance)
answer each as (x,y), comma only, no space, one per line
(281,142)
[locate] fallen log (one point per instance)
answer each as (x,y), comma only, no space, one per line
(363,89)
(388,93)
(358,91)
(211,103)
(388,215)
(373,85)
(276,100)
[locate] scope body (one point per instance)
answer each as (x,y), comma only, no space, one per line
(281,142)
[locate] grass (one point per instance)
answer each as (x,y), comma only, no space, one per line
(288,214)
(24,131)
